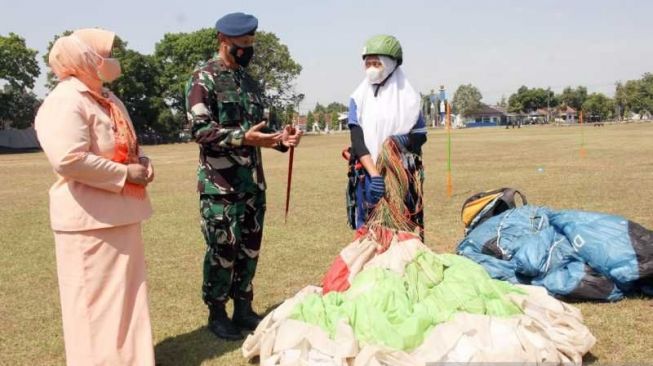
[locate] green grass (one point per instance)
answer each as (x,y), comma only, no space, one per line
(615,177)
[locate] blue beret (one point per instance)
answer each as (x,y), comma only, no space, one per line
(236,24)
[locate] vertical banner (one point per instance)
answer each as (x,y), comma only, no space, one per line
(449,180)
(442,107)
(433,110)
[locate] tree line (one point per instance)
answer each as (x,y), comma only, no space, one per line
(322,116)
(152,87)
(630,97)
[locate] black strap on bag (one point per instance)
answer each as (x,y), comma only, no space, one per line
(475,211)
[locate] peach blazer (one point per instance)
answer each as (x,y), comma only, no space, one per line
(76,134)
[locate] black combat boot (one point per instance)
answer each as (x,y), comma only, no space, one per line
(221,326)
(244,316)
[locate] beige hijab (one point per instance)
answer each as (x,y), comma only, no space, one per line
(80,53)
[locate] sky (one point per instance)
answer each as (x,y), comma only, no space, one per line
(496,45)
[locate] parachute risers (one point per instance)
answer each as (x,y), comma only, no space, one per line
(392,213)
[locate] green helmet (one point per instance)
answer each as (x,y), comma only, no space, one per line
(384,45)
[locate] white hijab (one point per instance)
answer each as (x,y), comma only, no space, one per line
(394,111)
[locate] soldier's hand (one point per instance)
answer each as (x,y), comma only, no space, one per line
(291,136)
(254,137)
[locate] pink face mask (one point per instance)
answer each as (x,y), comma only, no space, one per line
(109,69)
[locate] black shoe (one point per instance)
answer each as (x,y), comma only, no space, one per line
(244,316)
(221,326)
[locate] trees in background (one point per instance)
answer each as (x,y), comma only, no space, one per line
(573,98)
(598,107)
(466,99)
(18,72)
(527,100)
(152,87)
(635,96)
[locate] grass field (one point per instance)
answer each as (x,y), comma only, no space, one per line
(616,177)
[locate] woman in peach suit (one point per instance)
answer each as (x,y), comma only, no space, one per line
(97,205)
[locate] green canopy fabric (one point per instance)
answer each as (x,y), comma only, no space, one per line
(398,311)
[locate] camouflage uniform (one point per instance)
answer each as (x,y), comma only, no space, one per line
(222,104)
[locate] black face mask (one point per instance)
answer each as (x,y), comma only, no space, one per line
(245,57)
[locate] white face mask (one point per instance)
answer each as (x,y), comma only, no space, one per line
(374,74)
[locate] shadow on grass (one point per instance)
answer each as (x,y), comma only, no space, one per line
(632,296)
(192,348)
(590,359)
(195,347)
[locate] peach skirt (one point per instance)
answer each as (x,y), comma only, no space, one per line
(103,293)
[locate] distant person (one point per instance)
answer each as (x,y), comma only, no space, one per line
(384,105)
(96,206)
(226,108)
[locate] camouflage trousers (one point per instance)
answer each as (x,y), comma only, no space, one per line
(233,228)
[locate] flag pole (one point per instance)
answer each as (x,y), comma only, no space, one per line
(449,179)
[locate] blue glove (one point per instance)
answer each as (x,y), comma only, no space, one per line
(404,140)
(375,190)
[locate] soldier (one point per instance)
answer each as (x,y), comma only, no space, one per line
(225,107)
